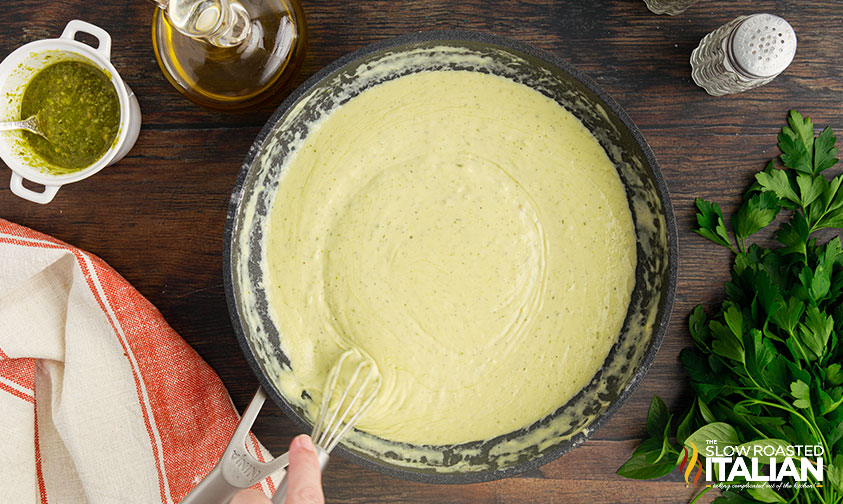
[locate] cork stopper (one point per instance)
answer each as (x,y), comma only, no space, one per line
(763,45)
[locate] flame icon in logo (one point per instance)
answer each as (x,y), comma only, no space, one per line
(689,467)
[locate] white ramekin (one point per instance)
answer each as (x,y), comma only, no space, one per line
(18,69)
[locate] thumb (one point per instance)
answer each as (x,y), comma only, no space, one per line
(304,478)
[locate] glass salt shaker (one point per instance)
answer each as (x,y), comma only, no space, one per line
(745,53)
(669,7)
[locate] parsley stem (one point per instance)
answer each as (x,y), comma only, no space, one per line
(704,490)
(763,435)
(817,429)
(811,425)
(766,391)
(795,495)
(801,350)
(820,497)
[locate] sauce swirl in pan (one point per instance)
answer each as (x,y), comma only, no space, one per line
(466,232)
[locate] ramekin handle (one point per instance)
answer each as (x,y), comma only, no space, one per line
(77,25)
(44,197)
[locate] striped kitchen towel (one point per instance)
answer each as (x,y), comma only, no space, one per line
(100,400)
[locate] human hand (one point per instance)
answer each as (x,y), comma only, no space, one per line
(304,478)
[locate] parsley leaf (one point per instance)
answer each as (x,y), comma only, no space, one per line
(698,327)
(710,220)
(828,210)
(719,433)
(657,417)
(797,143)
(815,331)
(825,151)
(810,188)
(835,472)
(800,391)
(643,465)
(778,182)
(788,316)
(757,212)
(794,235)
(834,375)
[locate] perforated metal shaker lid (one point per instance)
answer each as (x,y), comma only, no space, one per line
(763,45)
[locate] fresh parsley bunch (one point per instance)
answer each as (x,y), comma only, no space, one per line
(766,367)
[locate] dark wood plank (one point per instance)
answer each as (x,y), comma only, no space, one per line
(157,217)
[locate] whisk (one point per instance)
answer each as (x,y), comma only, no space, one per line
(340,409)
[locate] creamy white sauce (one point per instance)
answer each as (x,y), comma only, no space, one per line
(468,234)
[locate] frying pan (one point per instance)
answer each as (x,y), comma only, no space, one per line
(655,275)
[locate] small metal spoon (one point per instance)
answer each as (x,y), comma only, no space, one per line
(29,124)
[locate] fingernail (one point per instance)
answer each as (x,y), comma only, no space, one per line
(305,443)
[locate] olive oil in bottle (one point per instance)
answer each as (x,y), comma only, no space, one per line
(229,54)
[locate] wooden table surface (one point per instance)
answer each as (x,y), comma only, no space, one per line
(157,216)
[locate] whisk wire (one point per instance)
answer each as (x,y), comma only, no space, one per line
(347,425)
(343,416)
(326,396)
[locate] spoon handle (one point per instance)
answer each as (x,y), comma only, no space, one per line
(30,124)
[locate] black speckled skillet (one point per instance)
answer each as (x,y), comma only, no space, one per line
(652,297)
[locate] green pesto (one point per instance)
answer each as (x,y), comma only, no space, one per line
(79,112)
